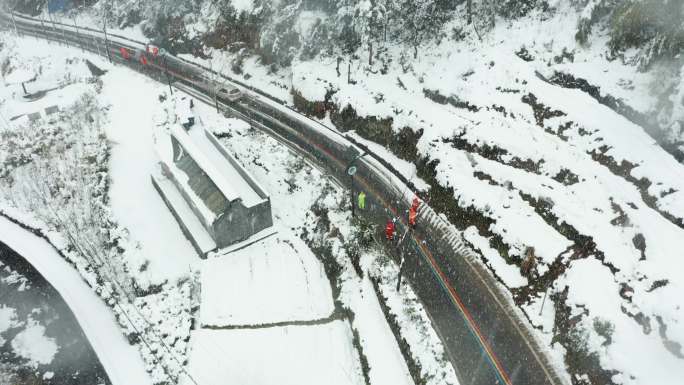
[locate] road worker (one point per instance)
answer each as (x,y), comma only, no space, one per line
(412,217)
(389,230)
(362,200)
(415,203)
(413,212)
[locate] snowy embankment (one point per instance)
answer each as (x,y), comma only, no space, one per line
(120,360)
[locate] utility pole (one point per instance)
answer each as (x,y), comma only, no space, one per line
(14,22)
(351,170)
(109,55)
(54,26)
(42,25)
(78,34)
(401,256)
(166,71)
(401,268)
(370,53)
(470,11)
(66,41)
(546,292)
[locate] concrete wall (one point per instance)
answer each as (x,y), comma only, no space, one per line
(240,222)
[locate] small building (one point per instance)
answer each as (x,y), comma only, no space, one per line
(209,192)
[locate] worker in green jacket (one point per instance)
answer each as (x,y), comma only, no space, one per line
(362,200)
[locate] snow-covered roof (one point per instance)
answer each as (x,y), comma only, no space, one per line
(204,163)
(239,179)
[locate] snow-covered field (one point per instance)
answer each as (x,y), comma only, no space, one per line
(293,355)
(275,280)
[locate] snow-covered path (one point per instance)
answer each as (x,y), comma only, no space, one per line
(121,361)
(135,202)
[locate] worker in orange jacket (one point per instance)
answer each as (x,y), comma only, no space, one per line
(413,212)
(389,230)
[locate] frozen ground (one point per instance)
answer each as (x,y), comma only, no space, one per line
(537,159)
(295,187)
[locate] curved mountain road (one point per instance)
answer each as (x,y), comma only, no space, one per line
(485,336)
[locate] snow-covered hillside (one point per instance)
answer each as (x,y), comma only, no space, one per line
(554,152)
(580,198)
(537,147)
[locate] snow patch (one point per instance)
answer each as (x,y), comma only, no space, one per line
(33,345)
